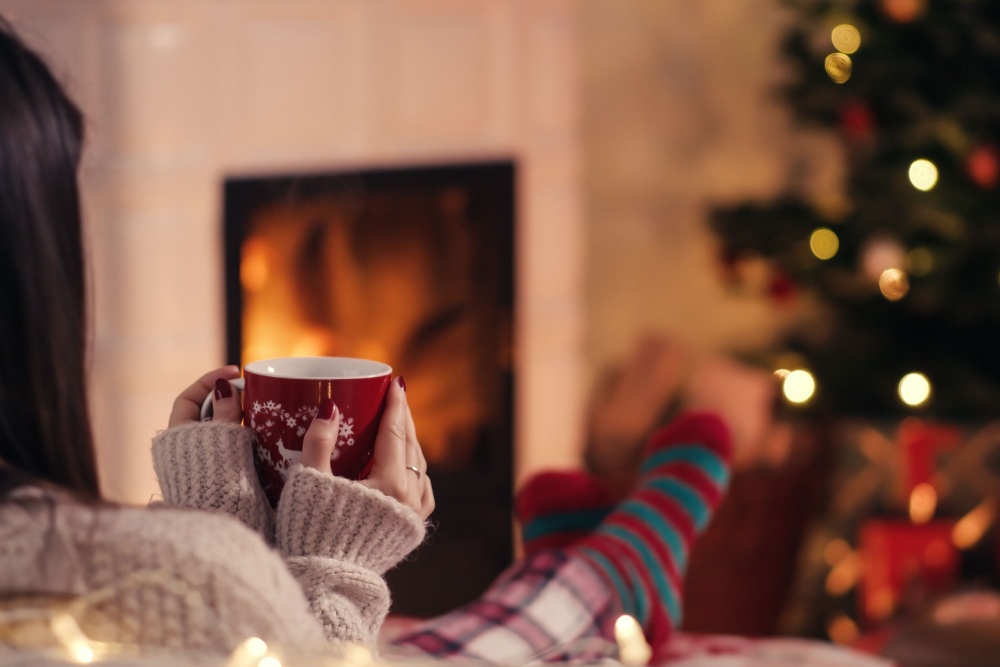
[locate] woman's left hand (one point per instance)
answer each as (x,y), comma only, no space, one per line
(225,401)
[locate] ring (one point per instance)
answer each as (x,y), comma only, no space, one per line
(416,470)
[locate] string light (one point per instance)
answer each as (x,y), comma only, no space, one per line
(824,243)
(66,630)
(838,67)
(846,38)
(799,386)
(914,389)
(633,650)
(923,174)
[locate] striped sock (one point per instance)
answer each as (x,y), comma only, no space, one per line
(557,508)
(641,548)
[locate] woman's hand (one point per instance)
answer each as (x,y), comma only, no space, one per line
(225,401)
(398,467)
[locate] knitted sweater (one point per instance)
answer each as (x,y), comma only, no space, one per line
(167,576)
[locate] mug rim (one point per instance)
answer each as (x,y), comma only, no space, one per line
(365,368)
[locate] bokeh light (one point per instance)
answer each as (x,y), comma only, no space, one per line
(842,630)
(904,11)
(914,389)
(881,252)
(973,526)
(824,243)
(838,67)
(923,503)
(799,386)
(920,261)
(894,284)
(923,174)
(846,38)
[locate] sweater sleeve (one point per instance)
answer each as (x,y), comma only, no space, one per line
(338,537)
(209,465)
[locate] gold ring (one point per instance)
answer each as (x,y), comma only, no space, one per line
(416,470)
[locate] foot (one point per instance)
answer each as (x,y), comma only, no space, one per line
(641,547)
(557,508)
(634,401)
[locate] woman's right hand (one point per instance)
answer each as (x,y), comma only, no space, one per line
(226,402)
(399,469)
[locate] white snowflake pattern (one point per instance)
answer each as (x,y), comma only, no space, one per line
(346,433)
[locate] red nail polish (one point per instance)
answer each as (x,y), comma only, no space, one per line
(327,410)
(401,382)
(223,389)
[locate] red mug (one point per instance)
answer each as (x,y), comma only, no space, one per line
(282,396)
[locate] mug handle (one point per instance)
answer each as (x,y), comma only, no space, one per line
(206,407)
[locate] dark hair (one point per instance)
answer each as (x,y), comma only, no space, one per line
(45,433)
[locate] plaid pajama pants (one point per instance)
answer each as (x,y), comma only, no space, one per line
(551,606)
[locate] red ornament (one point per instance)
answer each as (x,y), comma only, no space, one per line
(983,165)
(857,121)
(781,289)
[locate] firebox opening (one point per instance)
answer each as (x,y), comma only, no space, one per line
(411,266)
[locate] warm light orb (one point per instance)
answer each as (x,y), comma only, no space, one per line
(923,503)
(971,527)
(269,661)
(799,386)
(904,11)
(914,389)
(255,646)
(82,653)
(824,243)
(842,630)
(846,38)
(633,649)
(923,174)
(894,284)
(920,261)
(838,67)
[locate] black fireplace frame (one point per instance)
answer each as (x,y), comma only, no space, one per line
(472,540)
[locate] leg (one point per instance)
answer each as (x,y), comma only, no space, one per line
(564,601)
(547,606)
(557,508)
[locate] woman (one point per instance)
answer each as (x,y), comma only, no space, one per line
(164,577)
(309,574)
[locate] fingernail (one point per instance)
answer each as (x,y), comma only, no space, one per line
(223,389)
(327,410)
(401,382)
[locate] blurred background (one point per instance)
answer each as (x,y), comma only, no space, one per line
(781,210)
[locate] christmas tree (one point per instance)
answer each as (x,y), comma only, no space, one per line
(904,266)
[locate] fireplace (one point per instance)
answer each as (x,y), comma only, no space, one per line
(412,266)
(181,96)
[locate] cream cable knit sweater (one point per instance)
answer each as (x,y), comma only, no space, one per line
(176,578)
